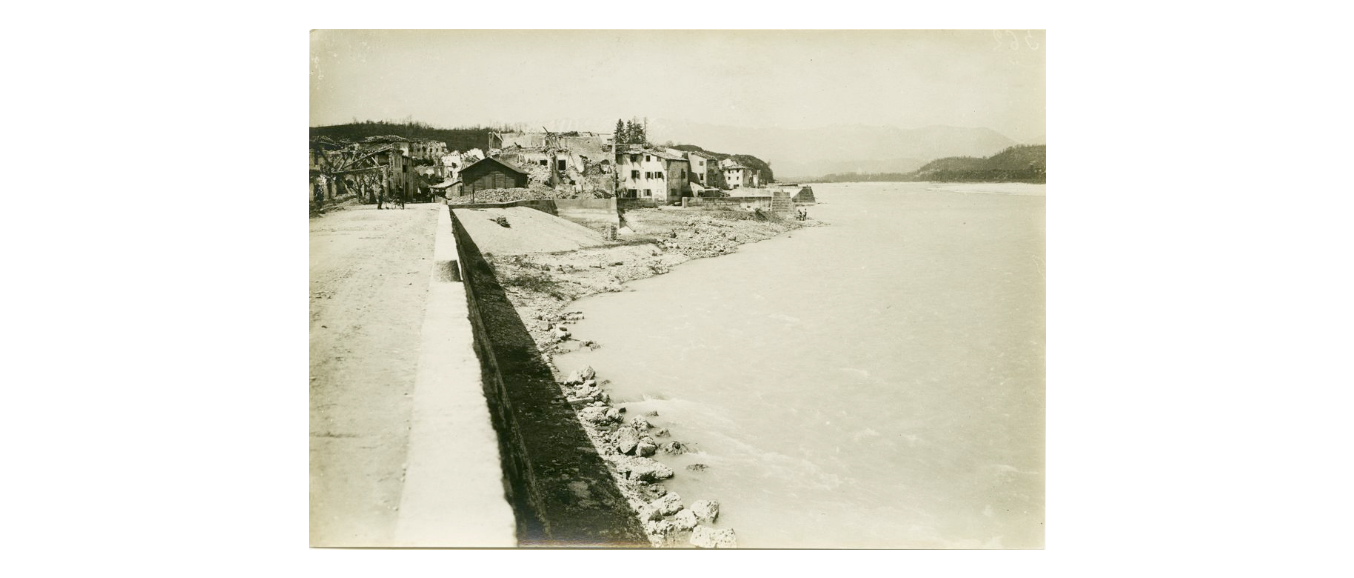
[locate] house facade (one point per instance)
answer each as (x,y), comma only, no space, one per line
(701,165)
(640,173)
(736,175)
(677,174)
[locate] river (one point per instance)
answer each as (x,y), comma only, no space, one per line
(876,383)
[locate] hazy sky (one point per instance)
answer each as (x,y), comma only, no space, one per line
(587,79)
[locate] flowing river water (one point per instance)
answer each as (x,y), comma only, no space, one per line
(876,383)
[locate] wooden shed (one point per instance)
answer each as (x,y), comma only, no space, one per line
(491,174)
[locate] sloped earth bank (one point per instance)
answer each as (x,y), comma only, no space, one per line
(542,285)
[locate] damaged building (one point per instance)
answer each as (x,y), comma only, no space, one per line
(377,168)
(451,164)
(428,150)
(325,156)
(421,149)
(586,143)
(574,160)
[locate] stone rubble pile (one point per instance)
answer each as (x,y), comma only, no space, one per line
(628,447)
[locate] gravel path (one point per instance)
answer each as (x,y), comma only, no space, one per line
(369,274)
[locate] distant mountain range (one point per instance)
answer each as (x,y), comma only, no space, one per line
(801,153)
(1016,164)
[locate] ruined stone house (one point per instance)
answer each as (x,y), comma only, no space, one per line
(428,150)
(370,169)
(325,158)
(451,164)
(590,144)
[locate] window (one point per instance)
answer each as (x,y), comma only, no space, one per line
(632,192)
(684,173)
(634,174)
(658,175)
(634,158)
(647,158)
(648,193)
(543,163)
(562,166)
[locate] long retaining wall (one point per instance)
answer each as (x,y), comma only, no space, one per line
(592,213)
(543,205)
(559,487)
(778,201)
(747,203)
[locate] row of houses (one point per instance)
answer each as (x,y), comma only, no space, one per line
(635,171)
(584,161)
(669,174)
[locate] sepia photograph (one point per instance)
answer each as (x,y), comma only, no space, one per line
(756,289)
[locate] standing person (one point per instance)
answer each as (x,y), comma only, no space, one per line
(402,195)
(380,195)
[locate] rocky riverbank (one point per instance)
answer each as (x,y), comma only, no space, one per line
(628,447)
(541,285)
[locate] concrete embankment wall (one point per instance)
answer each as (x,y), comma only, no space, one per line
(778,201)
(627,204)
(592,213)
(543,205)
(559,487)
(746,203)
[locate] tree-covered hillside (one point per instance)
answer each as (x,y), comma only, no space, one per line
(1017,164)
(457,139)
(1020,163)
